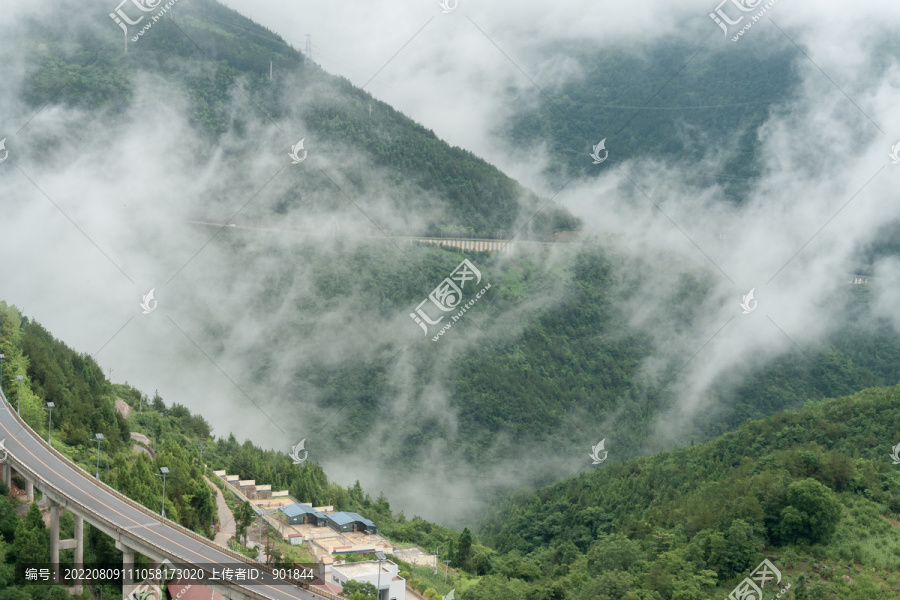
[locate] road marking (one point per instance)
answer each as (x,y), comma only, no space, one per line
(144,525)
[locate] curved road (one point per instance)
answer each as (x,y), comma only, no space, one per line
(55,475)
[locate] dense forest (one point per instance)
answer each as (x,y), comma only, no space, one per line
(789,465)
(85,399)
(570,360)
(207,54)
(812,490)
(558,352)
(702,103)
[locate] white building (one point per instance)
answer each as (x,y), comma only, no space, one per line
(389,583)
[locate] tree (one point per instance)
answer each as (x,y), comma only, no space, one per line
(244,517)
(356,590)
(6,571)
(463,556)
(32,541)
(743,546)
(812,513)
(8,519)
(158,404)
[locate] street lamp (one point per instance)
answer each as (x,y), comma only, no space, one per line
(97,441)
(263,512)
(49,408)
(19,401)
(380,556)
(163,471)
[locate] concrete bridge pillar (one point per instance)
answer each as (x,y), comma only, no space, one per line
(7,474)
(128,567)
(29,490)
(54,538)
(155,583)
(77,587)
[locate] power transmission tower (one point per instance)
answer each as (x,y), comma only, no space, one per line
(307,54)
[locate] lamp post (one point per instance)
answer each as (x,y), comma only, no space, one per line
(49,408)
(19,400)
(98,440)
(262,513)
(380,556)
(163,472)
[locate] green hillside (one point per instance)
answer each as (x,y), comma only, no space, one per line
(558,353)
(216,63)
(812,490)
(672,101)
(85,399)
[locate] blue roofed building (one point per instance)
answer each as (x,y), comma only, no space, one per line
(350,521)
(299,514)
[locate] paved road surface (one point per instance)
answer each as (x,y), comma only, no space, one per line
(227,527)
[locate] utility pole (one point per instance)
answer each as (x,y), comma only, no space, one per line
(447,562)
(436,557)
(307,54)
(270,70)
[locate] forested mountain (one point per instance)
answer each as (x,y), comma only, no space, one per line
(84,398)
(678,103)
(547,364)
(209,58)
(813,490)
